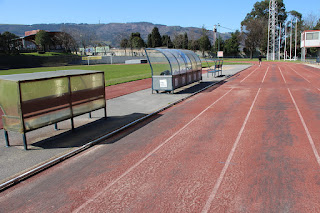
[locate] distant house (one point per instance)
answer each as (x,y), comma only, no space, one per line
(28,41)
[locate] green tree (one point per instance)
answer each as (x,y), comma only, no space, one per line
(185,41)
(154,39)
(136,41)
(231,46)
(260,14)
(42,39)
(124,43)
(204,42)
(194,45)
(149,41)
(166,41)
(178,41)
(8,43)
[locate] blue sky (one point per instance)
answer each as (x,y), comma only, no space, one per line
(168,12)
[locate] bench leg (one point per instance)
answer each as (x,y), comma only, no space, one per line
(25,141)
(72,124)
(6,137)
(90,116)
(56,127)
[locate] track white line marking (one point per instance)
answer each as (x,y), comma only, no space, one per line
(226,165)
(300,75)
(282,75)
(315,152)
(306,129)
(248,75)
(265,75)
(305,79)
(207,206)
(147,156)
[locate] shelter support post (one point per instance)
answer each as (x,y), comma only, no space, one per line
(6,136)
(25,141)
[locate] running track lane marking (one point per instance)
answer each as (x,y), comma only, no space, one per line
(147,156)
(306,129)
(305,78)
(226,165)
(207,206)
(315,152)
(248,75)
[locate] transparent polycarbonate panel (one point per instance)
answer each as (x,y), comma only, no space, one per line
(158,62)
(82,82)
(88,107)
(9,97)
(180,59)
(187,61)
(192,59)
(32,90)
(46,119)
(198,60)
(175,68)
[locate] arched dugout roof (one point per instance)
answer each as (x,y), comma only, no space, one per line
(172,61)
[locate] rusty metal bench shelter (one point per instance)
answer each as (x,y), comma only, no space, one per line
(34,100)
(173,68)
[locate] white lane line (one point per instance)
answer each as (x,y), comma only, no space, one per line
(282,75)
(305,79)
(309,70)
(316,154)
(300,75)
(265,75)
(226,165)
(248,75)
(207,206)
(147,156)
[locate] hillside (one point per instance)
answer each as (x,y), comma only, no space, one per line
(110,33)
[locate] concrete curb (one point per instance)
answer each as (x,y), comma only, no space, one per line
(55,161)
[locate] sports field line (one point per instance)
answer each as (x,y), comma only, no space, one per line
(304,78)
(314,149)
(310,71)
(207,206)
(148,155)
(249,75)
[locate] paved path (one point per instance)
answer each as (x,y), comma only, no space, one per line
(250,144)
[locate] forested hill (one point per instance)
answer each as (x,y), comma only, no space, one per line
(111,33)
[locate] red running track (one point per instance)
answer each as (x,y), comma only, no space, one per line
(249,145)
(117,90)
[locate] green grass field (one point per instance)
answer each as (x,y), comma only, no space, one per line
(114,74)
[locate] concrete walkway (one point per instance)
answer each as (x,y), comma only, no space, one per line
(46,144)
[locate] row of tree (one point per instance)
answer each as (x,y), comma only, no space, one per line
(181,41)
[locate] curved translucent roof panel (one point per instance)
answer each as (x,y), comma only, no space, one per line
(172,61)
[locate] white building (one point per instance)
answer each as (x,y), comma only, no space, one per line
(309,38)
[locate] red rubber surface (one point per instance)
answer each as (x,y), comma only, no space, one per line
(248,145)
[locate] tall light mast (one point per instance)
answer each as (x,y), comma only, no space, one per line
(273,46)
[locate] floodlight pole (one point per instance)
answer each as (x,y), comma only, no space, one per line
(279,42)
(285,42)
(295,44)
(291,41)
